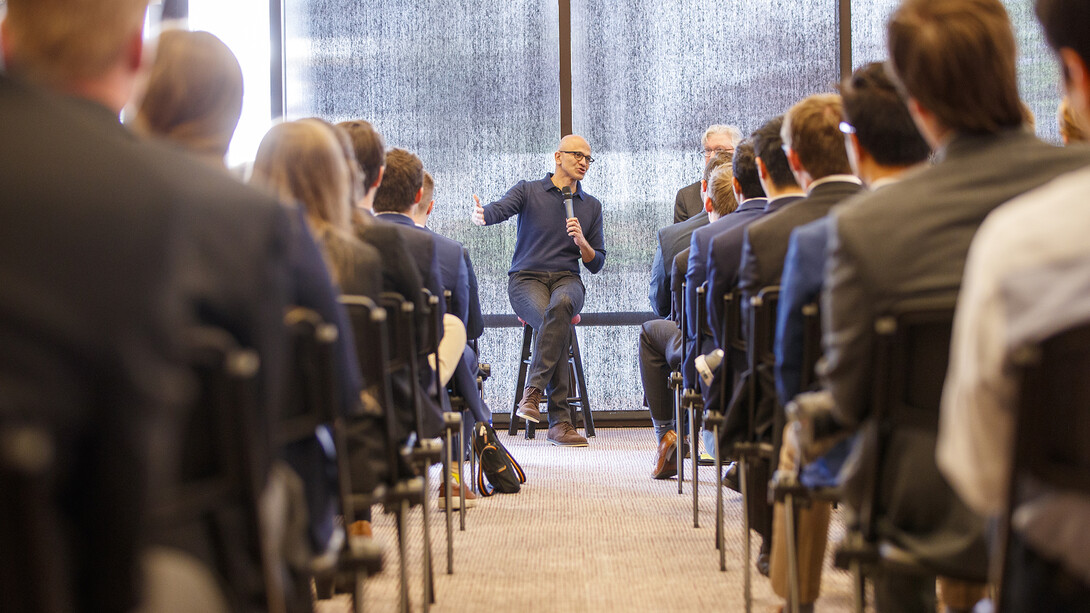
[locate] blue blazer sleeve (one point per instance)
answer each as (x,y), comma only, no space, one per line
(659,293)
(801,284)
(474,318)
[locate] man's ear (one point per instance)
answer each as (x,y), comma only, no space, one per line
(378,180)
(762,170)
(431,206)
(708,205)
(419,195)
(5,42)
(793,162)
(736,184)
(1076,80)
(134,51)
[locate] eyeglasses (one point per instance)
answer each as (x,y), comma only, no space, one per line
(711,152)
(580,156)
(847,128)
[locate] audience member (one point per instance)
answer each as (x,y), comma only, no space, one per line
(1025,279)
(660,339)
(544,285)
(147,241)
(400,191)
(882,144)
(690,200)
(954,63)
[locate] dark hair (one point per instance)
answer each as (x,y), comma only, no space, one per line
(369,148)
(881,120)
(1064,23)
(958,59)
(768,145)
(744,166)
(403,179)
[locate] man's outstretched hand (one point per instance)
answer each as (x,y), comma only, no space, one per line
(478,211)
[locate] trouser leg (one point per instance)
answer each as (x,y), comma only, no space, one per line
(657,338)
(812,531)
(900,593)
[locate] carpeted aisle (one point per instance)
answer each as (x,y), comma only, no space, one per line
(590,531)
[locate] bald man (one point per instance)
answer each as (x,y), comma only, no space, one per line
(543,283)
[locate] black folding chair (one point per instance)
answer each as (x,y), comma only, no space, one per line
(405,351)
(677,384)
(912,345)
(30,578)
(1051,427)
(224,470)
(694,404)
(310,409)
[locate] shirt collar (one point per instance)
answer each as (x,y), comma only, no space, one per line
(884,181)
(547,184)
(836,178)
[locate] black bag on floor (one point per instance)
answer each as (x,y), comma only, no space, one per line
(495,463)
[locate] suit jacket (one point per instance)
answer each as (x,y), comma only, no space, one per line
(455,274)
(803,274)
(696,274)
(766,240)
(475,320)
(671,240)
(109,248)
(421,245)
(910,240)
(687,203)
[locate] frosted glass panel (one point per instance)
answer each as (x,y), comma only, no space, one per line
(1038,71)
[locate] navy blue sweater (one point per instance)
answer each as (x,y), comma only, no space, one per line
(542,243)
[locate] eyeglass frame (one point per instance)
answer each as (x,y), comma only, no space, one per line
(579,156)
(711,152)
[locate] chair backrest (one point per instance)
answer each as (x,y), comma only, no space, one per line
(702,322)
(1051,423)
(911,354)
(432,345)
(30,577)
(732,314)
(224,467)
(762,328)
(310,386)
(369,327)
(811,344)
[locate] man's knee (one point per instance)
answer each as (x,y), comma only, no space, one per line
(562,304)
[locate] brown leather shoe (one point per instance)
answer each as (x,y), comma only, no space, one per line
(666,459)
(360,528)
(531,398)
(455,501)
(565,435)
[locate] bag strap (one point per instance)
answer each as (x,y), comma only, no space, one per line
(518,467)
(483,487)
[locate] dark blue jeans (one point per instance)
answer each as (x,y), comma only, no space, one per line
(548,301)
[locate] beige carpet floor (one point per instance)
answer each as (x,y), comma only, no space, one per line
(590,531)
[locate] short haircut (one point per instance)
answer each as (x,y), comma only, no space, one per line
(812,130)
(720,128)
(1072,124)
(768,145)
(403,179)
(369,147)
(194,92)
(715,161)
(1064,23)
(744,167)
(429,188)
(957,58)
(721,190)
(64,40)
(881,120)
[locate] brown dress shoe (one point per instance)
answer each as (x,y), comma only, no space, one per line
(360,528)
(455,501)
(666,459)
(531,398)
(565,435)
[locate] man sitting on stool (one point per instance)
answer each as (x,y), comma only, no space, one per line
(544,285)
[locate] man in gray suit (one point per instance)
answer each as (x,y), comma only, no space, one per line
(689,201)
(954,61)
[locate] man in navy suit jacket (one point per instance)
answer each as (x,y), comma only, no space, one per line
(400,191)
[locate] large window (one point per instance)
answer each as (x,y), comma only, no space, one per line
(476,91)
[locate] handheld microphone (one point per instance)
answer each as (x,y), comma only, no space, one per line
(567,202)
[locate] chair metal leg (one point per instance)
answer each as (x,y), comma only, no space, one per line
(746,557)
(678,411)
(357,594)
(461,476)
(792,553)
(719,541)
(428,579)
(860,584)
(694,455)
(403,552)
(581,379)
(520,384)
(448,482)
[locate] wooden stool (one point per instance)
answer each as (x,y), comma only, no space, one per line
(578,398)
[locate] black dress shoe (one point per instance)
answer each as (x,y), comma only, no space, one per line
(764,558)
